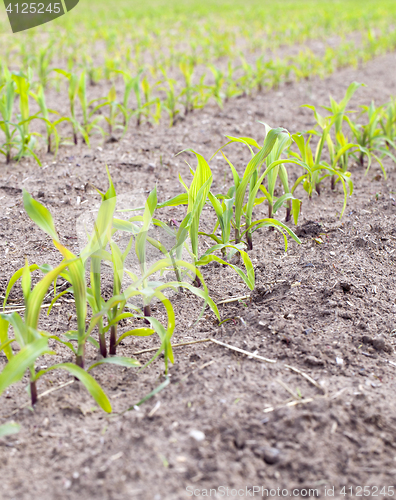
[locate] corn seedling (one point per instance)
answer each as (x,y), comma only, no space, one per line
(371,137)
(6,111)
(34,343)
(314,165)
(253,178)
(341,148)
(170,103)
(73,91)
(50,126)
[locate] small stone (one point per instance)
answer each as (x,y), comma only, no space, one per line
(313,361)
(197,435)
(332,253)
(379,344)
(67,483)
(268,454)
(239,441)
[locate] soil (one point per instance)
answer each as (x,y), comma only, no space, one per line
(326,309)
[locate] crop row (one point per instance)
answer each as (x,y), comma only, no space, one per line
(23,100)
(179,245)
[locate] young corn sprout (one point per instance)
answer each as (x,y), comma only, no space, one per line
(34,343)
(74,90)
(341,148)
(6,112)
(371,137)
(253,178)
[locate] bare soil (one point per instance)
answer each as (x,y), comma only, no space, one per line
(327,310)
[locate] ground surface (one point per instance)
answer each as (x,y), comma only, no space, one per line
(326,309)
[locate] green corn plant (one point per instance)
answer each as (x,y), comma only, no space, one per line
(43,64)
(94,250)
(141,234)
(170,103)
(197,194)
(6,110)
(50,126)
(149,100)
(338,113)
(217,89)
(293,204)
(314,166)
(75,273)
(187,70)
(137,88)
(34,343)
(224,208)
(148,290)
(261,73)
(195,199)
(171,246)
(388,123)
(113,111)
(89,124)
(24,139)
(248,81)
(371,138)
(253,178)
(94,73)
(124,106)
(73,91)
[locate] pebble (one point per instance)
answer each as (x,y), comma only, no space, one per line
(197,435)
(379,344)
(313,361)
(268,454)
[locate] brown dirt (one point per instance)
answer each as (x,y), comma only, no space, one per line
(312,308)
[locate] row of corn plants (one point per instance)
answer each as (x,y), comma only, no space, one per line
(204,31)
(339,141)
(105,116)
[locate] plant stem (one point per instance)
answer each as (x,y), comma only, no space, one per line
(288,211)
(361,159)
(102,345)
(197,282)
(271,214)
(80,361)
(33,392)
(147,313)
(237,236)
(113,339)
(249,240)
